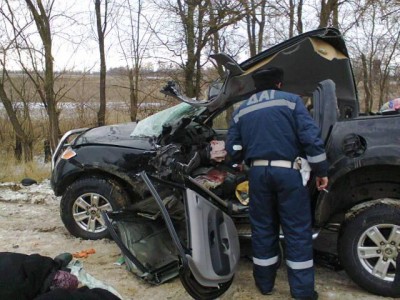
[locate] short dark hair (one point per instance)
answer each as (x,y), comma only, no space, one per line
(267,78)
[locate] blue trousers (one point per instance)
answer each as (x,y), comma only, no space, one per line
(278,198)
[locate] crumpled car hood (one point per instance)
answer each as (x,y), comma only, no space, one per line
(115,135)
(306,59)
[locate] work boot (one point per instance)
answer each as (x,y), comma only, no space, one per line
(263,291)
(313,297)
(63,259)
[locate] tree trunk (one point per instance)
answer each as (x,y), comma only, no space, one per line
(254,37)
(328,8)
(216,45)
(300,17)
(101,115)
(261,28)
(251,28)
(22,138)
(366,83)
(46,151)
(28,151)
(324,15)
(49,92)
(189,70)
(291,18)
(335,14)
(18,148)
(133,97)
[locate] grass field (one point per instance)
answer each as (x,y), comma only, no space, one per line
(78,106)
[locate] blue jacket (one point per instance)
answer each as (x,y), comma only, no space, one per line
(275,125)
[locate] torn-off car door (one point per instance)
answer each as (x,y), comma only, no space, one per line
(179,229)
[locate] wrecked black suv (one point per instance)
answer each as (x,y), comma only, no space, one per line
(178,212)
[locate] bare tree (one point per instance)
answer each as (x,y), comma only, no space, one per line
(255,24)
(134,39)
(21,123)
(192,30)
(45,84)
(30,36)
(101,27)
(377,41)
(15,92)
(269,22)
(219,43)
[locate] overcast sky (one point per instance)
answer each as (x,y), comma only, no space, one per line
(75,43)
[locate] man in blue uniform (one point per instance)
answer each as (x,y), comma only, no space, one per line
(269,131)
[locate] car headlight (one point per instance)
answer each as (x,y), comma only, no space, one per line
(68,153)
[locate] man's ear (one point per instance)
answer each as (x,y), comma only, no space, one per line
(279,85)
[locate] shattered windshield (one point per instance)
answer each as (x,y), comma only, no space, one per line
(152,126)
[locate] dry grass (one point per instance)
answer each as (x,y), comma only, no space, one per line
(13,171)
(83,92)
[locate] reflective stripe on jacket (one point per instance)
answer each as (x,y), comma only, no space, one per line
(275,125)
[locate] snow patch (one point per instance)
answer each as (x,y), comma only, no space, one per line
(37,193)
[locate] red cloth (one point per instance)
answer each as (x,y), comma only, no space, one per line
(64,280)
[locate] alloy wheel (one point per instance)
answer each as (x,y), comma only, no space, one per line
(87,209)
(378,248)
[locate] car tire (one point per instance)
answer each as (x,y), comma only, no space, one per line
(82,203)
(369,242)
(198,291)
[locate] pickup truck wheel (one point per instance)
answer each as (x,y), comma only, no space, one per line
(82,203)
(369,243)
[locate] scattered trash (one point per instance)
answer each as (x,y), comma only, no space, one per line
(84,253)
(76,268)
(120,261)
(28,181)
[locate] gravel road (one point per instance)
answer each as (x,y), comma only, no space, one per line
(30,223)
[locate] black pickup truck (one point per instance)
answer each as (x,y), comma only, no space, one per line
(127,166)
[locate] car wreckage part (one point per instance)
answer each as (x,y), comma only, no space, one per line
(121,245)
(145,238)
(206,265)
(82,203)
(213,240)
(167,219)
(198,291)
(369,243)
(62,144)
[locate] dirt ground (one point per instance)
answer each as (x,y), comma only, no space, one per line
(30,223)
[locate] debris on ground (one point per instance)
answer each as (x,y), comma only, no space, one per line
(84,253)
